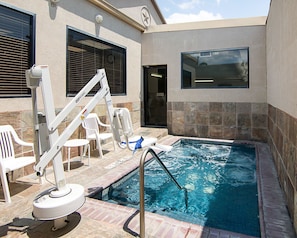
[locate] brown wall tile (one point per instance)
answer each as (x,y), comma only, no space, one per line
(229,119)
(215,107)
(215,118)
(244,120)
(235,120)
(202,118)
(243,108)
(282,141)
(259,121)
(229,107)
(216,132)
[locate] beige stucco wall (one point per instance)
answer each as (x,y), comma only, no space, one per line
(282,57)
(133,8)
(51,33)
(163,45)
(281,96)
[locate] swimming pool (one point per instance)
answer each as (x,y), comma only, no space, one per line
(220,179)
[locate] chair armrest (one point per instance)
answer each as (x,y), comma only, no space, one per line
(20,141)
(24,143)
(87,128)
(102,124)
(105,125)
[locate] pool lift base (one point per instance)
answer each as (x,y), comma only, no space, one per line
(56,205)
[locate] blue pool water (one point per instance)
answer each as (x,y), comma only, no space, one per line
(220,179)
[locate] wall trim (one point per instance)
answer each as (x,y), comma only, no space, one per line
(118,14)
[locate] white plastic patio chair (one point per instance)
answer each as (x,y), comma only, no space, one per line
(8,161)
(91,124)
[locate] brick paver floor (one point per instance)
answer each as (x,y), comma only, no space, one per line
(100,219)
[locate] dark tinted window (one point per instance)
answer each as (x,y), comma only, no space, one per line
(17,51)
(86,54)
(216,69)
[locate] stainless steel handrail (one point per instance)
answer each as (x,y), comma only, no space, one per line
(141,185)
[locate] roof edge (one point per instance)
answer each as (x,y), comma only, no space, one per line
(199,25)
(156,6)
(118,14)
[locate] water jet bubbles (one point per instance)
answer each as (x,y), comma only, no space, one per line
(211,178)
(193,177)
(190,187)
(209,189)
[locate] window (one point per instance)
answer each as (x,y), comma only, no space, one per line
(17,51)
(85,55)
(216,69)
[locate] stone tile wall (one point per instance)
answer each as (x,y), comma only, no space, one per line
(22,122)
(244,121)
(282,139)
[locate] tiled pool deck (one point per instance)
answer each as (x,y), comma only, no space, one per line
(100,219)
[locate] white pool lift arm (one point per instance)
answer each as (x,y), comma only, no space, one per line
(57,203)
(104,92)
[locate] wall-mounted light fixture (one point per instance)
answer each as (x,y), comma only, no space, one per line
(99,19)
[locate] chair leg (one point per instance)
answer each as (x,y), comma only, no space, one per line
(68,150)
(88,148)
(114,145)
(81,150)
(85,150)
(99,149)
(5,186)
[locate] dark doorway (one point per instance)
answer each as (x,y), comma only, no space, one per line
(155,95)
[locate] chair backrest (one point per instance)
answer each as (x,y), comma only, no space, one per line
(90,124)
(6,144)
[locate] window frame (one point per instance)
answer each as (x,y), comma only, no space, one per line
(109,58)
(206,83)
(23,90)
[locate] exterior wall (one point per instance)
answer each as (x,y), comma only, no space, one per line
(281,96)
(133,8)
(281,56)
(51,38)
(162,45)
(51,24)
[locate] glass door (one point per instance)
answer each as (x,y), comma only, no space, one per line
(155,95)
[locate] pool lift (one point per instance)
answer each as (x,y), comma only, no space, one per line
(58,202)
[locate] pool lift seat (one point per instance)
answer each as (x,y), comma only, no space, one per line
(122,124)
